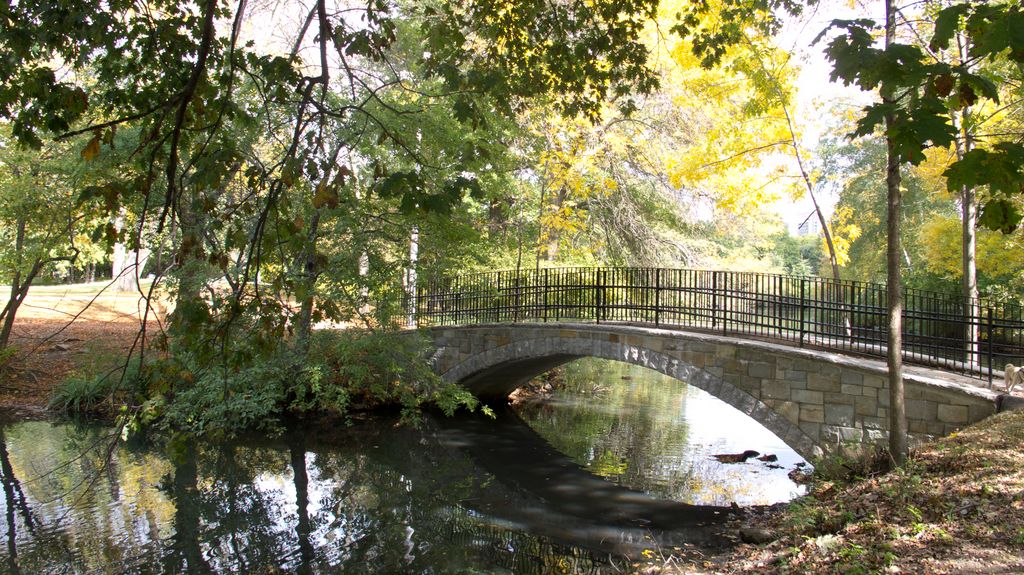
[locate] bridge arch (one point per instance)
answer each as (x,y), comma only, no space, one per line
(498,371)
(814,401)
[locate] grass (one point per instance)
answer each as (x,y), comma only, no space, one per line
(98,387)
(96,301)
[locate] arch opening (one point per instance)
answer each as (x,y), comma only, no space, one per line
(495,372)
(653,433)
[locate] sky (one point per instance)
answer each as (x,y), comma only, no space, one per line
(817,97)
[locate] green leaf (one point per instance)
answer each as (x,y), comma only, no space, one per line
(1000,215)
(946,24)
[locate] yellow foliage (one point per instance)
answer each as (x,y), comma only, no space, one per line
(940,242)
(738,122)
(845,230)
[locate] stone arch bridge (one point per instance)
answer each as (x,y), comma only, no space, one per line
(816,401)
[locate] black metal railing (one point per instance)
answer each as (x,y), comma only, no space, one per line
(973,337)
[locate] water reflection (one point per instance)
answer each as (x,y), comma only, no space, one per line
(370,498)
(651,432)
(455,496)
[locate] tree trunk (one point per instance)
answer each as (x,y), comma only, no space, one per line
(897,408)
(969,243)
(410,276)
(310,271)
(554,235)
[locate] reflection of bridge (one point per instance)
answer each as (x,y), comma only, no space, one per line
(722,331)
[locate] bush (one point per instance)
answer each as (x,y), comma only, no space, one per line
(98,389)
(366,370)
(252,388)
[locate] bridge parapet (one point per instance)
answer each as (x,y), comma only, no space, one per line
(971,337)
(815,401)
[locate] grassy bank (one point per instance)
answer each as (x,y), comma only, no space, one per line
(956,508)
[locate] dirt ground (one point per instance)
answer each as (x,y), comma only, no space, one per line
(60,329)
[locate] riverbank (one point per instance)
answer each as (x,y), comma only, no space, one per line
(956,508)
(63,330)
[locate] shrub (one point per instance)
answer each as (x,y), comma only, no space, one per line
(88,391)
(252,388)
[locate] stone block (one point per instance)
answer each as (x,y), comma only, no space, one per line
(759,370)
(811,429)
(953,414)
(876,436)
(840,415)
(875,381)
(789,410)
(775,390)
(812,414)
(839,434)
(823,382)
(851,377)
(796,376)
(920,409)
(745,403)
(724,350)
(806,396)
(838,399)
(747,383)
(873,423)
(796,438)
(850,389)
(865,406)
(980,411)
(869,392)
(917,426)
(733,366)
(693,358)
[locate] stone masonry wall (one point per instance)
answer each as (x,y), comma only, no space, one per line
(815,401)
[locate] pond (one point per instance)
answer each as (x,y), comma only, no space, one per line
(609,465)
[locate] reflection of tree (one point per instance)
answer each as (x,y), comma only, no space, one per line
(408,505)
(297,452)
(187,554)
(623,422)
(14,498)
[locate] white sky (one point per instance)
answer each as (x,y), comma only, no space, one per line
(817,97)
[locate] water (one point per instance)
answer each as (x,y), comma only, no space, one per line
(648,431)
(454,496)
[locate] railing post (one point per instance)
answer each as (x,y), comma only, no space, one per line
(598,295)
(803,304)
(544,308)
(714,300)
(727,280)
(657,297)
(517,302)
(988,330)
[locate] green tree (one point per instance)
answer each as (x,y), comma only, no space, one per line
(41,219)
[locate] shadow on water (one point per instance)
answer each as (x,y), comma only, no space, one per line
(369,498)
(569,503)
